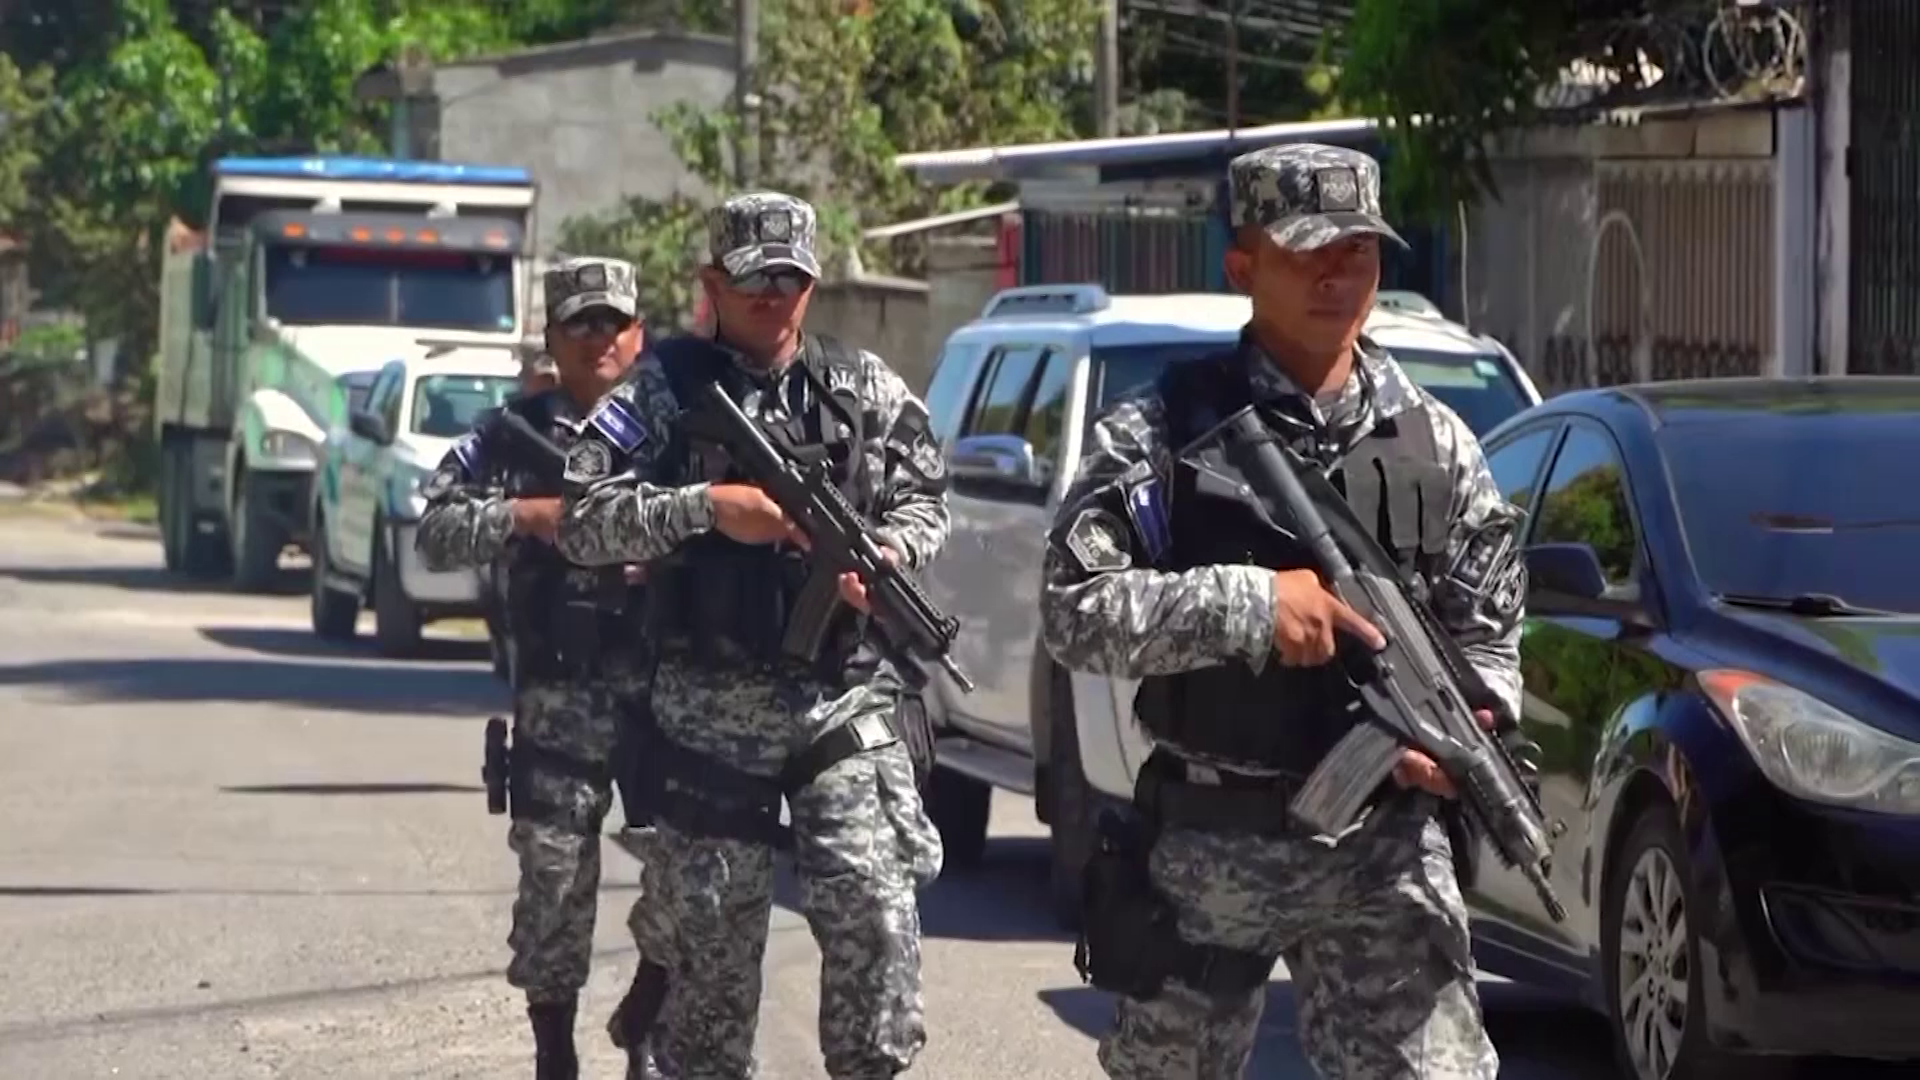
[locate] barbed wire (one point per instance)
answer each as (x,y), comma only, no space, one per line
(1713,50)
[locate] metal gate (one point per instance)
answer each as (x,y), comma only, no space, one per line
(1883,187)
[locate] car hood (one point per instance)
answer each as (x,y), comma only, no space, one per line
(1886,648)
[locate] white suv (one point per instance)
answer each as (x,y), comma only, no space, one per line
(1012,396)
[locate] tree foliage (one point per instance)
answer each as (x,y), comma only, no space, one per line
(842,88)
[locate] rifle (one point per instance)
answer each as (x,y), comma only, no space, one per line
(1420,691)
(908,626)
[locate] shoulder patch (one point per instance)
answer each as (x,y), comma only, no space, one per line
(470,453)
(1098,542)
(1147,506)
(619,422)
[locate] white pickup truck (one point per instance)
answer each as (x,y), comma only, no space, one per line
(400,422)
(1012,396)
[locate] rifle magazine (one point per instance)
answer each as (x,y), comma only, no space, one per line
(1331,799)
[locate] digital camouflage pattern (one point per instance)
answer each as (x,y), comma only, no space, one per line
(468,524)
(864,848)
(577,284)
(1374,934)
(864,843)
(1308,195)
(1347,917)
(763,230)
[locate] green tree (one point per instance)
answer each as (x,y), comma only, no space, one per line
(843,87)
(23,97)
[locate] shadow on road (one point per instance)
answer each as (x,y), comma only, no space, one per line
(415,788)
(150,579)
(443,691)
(1002,899)
(1538,1039)
(276,641)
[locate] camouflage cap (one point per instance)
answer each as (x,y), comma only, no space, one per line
(762,230)
(577,284)
(1308,195)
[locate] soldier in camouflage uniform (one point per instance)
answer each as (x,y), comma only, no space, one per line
(570,698)
(1153,573)
(742,723)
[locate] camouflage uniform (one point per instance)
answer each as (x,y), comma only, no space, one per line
(863,842)
(468,523)
(1374,929)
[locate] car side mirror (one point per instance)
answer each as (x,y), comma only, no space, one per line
(369,427)
(1567,579)
(997,459)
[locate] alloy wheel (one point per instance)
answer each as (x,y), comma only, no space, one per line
(1655,965)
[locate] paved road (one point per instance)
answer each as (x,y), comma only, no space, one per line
(231,852)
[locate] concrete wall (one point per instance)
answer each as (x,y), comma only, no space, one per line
(882,315)
(580,116)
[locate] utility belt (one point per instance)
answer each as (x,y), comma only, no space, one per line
(1130,942)
(701,795)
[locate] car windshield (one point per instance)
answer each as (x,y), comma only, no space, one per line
(1781,505)
(1481,388)
(445,406)
(358,287)
(1478,386)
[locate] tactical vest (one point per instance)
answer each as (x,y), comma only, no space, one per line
(1282,718)
(567,622)
(721,603)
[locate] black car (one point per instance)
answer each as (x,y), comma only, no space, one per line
(1722,662)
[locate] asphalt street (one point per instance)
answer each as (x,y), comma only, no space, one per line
(231,851)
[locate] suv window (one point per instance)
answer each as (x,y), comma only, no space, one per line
(1586,503)
(1516,465)
(1121,371)
(446,406)
(1047,414)
(947,392)
(997,409)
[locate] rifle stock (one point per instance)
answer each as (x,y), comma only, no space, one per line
(1419,691)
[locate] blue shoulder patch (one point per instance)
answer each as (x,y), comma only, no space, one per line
(619,422)
(471,455)
(1147,506)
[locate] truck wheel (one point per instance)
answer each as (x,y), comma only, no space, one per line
(256,541)
(333,612)
(1070,808)
(959,806)
(188,550)
(396,622)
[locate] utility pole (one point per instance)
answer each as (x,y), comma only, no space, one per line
(1106,72)
(746,103)
(1233,66)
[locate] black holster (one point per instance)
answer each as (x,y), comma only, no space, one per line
(496,768)
(915,727)
(1130,941)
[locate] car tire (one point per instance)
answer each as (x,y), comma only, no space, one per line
(396,621)
(959,806)
(333,612)
(1651,955)
(1070,807)
(256,539)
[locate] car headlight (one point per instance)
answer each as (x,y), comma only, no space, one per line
(409,483)
(286,446)
(1811,750)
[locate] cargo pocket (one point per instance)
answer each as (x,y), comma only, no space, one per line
(902,808)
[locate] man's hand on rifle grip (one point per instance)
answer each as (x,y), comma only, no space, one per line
(744,513)
(1306,616)
(537,518)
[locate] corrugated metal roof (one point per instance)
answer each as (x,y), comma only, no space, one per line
(1033,159)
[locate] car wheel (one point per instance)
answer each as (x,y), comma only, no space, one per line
(1651,949)
(256,540)
(333,612)
(1070,807)
(959,806)
(396,622)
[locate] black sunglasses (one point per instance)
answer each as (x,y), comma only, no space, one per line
(762,282)
(596,325)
